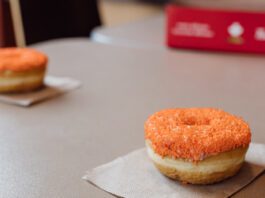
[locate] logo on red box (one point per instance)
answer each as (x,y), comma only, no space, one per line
(215,29)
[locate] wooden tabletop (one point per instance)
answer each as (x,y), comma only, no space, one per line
(46,149)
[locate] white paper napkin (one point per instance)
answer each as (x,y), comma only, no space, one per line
(135,176)
(54,86)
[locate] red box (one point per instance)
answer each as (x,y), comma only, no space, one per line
(210,29)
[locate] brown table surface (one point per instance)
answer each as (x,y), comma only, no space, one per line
(46,149)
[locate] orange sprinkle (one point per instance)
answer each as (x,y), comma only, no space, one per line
(21,59)
(195,133)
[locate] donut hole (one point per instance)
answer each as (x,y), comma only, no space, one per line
(193,121)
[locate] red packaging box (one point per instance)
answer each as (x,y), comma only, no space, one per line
(210,29)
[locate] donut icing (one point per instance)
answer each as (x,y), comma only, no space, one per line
(195,133)
(21,59)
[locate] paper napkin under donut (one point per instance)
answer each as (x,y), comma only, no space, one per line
(54,86)
(135,176)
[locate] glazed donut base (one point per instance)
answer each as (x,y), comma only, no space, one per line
(197,178)
(207,171)
(16,82)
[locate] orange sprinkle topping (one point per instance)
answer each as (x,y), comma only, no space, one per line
(195,133)
(21,59)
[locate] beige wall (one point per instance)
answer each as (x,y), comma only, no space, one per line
(119,12)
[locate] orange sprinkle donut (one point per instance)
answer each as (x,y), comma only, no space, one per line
(197,145)
(21,69)
(21,59)
(195,133)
